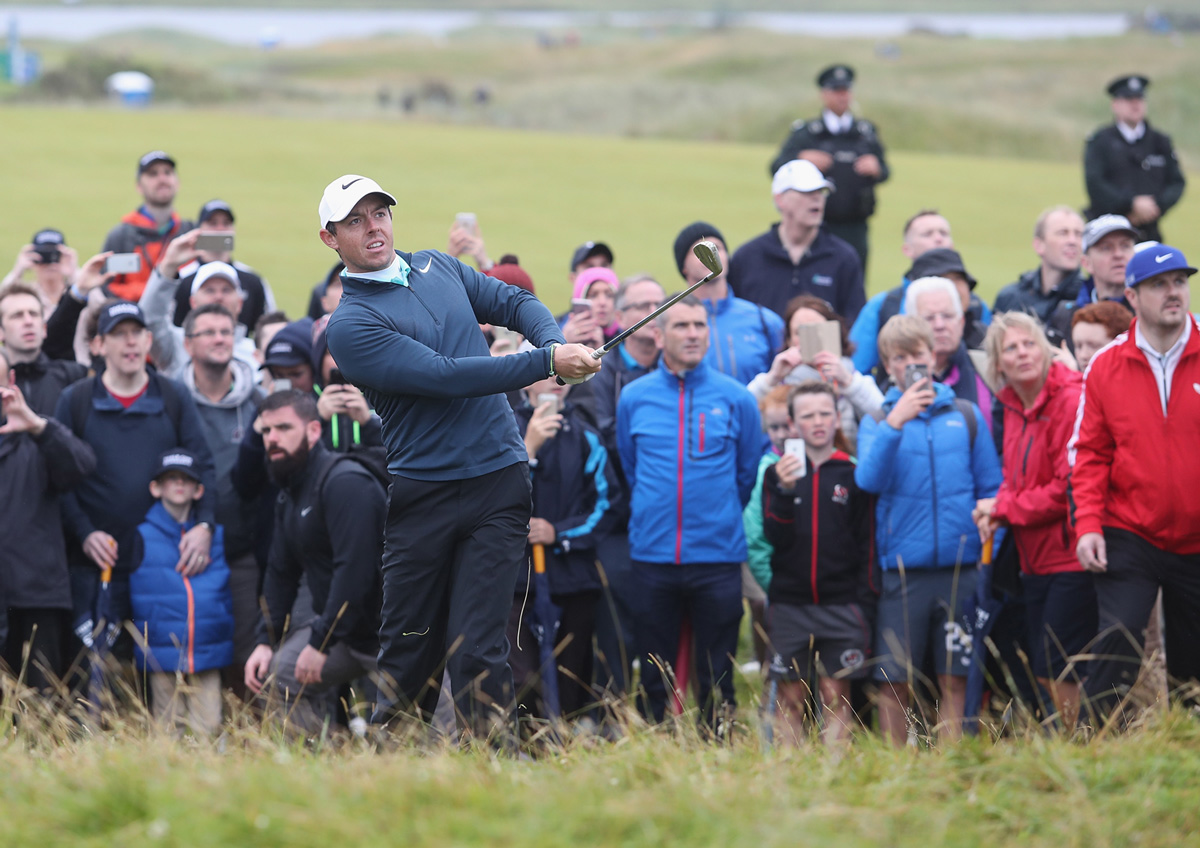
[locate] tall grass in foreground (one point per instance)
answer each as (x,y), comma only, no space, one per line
(68,783)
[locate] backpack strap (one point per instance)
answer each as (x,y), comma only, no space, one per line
(172,404)
(81,404)
(968,412)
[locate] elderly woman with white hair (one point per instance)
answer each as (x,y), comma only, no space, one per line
(1040,398)
(937,301)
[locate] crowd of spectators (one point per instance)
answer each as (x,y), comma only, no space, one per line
(180,459)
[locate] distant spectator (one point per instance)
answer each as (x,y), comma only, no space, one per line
(857,394)
(686,509)
(576,501)
(1058,242)
(257,297)
(1133,479)
(52,262)
(1108,245)
(148,229)
(39,460)
(326,294)
(929,462)
(1095,325)
(937,302)
(590,254)
(797,255)
(508,268)
(329,529)
(130,416)
(1040,399)
(23,332)
(823,585)
(925,230)
(185,622)
(266,328)
(743,336)
(596,324)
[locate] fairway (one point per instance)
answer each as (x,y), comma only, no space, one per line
(536,194)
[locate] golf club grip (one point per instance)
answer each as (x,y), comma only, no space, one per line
(539,559)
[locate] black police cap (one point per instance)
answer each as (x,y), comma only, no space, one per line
(1130,86)
(836,76)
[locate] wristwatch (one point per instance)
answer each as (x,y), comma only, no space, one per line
(206,524)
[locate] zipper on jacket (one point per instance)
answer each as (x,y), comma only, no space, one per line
(191,619)
(816,479)
(701,440)
(933,488)
(679,478)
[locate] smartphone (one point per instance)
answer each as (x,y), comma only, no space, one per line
(550,397)
(579,306)
(504,334)
(795,447)
(215,242)
(336,378)
(915,373)
(467,221)
(123,263)
(281,385)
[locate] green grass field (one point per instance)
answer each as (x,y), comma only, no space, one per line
(536,194)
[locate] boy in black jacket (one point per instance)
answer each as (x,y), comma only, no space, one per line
(576,501)
(822,594)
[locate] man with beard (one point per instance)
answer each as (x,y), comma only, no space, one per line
(329,529)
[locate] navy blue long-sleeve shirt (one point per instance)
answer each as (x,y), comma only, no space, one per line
(418,354)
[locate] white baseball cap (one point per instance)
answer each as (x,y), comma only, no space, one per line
(342,194)
(799,175)
(209,270)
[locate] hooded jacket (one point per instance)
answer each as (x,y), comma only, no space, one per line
(44,379)
(418,354)
(1026,295)
(138,233)
(743,337)
(574,488)
(1033,497)
(690,448)
(1132,466)
(928,476)
(186,623)
(33,473)
(169,354)
(821,535)
(225,422)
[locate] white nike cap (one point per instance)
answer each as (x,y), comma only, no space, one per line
(342,194)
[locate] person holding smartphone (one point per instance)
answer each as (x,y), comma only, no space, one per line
(929,459)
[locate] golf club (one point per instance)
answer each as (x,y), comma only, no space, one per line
(706,252)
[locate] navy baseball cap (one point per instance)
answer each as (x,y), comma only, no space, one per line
(291,346)
(181,460)
(207,210)
(153,156)
(1151,259)
(589,249)
(116,312)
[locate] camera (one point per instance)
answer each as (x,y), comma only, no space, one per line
(48,254)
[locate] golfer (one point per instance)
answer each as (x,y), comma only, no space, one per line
(407,334)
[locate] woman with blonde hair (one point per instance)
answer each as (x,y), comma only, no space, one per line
(1040,397)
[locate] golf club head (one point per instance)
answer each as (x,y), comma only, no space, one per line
(706,252)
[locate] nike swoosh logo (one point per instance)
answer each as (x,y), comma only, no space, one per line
(1162,258)
(428,262)
(305,511)
(347,185)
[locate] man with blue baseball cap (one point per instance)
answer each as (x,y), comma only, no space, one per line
(1133,465)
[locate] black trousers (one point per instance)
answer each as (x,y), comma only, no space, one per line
(450,559)
(45,630)
(1126,594)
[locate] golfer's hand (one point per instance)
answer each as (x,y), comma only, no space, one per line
(788,469)
(541,532)
(574,362)
(309,665)
(257,666)
(194,548)
(1092,552)
(101,548)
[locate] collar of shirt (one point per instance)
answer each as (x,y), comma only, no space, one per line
(1131,134)
(397,272)
(1163,364)
(836,124)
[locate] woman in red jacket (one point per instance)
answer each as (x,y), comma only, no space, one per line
(1040,398)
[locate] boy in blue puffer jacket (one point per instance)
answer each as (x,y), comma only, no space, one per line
(184,617)
(927,458)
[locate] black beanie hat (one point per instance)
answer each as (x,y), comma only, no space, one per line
(691,234)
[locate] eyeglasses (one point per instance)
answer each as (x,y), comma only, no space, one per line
(208,334)
(644,306)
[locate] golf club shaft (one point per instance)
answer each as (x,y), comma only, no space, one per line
(624,334)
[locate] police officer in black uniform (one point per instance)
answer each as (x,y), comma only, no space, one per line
(847,150)
(1130,168)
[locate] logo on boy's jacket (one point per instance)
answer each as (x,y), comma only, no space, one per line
(841,494)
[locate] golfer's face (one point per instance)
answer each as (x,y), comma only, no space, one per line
(364,237)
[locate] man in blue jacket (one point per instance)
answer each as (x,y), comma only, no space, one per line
(407,334)
(689,439)
(926,459)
